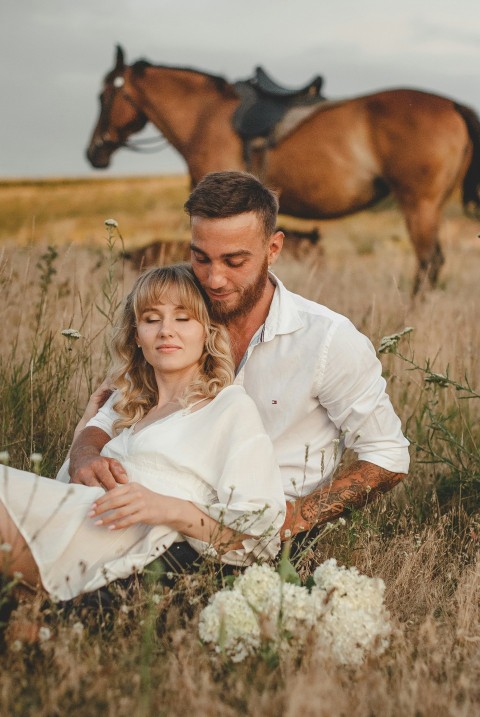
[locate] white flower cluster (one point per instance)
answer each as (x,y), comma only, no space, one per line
(230,625)
(353,619)
(343,614)
(388,344)
(72,334)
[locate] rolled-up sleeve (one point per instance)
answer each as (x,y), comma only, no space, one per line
(105,416)
(352,391)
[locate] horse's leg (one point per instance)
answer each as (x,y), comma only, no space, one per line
(423,222)
(19,559)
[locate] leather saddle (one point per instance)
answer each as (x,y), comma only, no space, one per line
(263,103)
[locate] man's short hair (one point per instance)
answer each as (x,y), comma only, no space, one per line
(225,194)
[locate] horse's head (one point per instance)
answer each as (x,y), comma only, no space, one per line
(119,115)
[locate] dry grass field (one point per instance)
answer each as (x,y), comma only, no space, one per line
(140,654)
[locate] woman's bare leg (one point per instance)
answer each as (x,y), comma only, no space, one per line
(20,558)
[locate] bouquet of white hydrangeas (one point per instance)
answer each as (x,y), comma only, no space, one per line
(343,614)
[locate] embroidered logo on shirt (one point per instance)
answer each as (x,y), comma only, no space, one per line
(274,401)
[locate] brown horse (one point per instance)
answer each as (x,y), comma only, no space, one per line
(343,158)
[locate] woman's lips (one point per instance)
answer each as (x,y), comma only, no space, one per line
(168,348)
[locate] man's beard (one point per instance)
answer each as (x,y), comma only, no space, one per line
(248,299)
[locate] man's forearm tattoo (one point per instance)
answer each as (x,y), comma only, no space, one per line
(355,487)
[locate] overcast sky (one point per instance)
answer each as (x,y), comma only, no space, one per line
(54,53)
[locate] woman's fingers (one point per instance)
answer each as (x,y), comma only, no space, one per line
(114,499)
(121,518)
(120,507)
(128,505)
(125,522)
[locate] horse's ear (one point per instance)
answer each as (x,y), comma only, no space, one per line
(119,60)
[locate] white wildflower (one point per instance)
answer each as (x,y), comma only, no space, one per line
(261,587)
(78,628)
(389,343)
(230,625)
(298,616)
(287,533)
(44,634)
(111,223)
(342,521)
(5,548)
(344,613)
(351,617)
(72,334)
(16,645)
(156,599)
(210,552)
(17,575)
(36,460)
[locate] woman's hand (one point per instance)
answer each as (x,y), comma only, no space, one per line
(130,504)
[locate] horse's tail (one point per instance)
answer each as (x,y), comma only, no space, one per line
(471,181)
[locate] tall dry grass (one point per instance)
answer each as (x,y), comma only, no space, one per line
(139,654)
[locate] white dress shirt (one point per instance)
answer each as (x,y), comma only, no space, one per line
(318,386)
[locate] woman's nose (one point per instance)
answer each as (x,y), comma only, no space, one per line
(167,328)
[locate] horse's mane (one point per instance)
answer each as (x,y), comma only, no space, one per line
(220,82)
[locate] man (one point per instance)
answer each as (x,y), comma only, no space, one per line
(315,379)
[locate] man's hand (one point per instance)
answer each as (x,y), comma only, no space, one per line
(96,470)
(89,467)
(354,487)
(294,522)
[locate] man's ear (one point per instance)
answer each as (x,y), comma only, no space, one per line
(275,244)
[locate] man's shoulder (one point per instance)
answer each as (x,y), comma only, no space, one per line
(316,312)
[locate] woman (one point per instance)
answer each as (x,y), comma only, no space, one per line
(199,463)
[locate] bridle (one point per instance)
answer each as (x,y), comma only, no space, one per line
(144,145)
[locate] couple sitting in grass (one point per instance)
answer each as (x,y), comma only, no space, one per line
(233,401)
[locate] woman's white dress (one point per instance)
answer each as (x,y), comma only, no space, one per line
(218,457)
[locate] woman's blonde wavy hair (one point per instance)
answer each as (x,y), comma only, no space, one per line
(133,376)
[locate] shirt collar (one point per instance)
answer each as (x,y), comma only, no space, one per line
(283,316)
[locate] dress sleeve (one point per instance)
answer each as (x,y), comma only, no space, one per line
(250,496)
(352,390)
(106,416)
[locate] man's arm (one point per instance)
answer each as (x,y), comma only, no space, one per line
(95,402)
(88,467)
(354,487)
